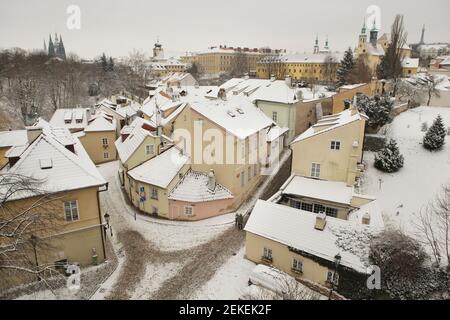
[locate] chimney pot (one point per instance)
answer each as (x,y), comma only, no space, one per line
(321,221)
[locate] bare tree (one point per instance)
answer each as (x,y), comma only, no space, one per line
(390,66)
(433,226)
(25,226)
(239,65)
(330,68)
(361,72)
(431,87)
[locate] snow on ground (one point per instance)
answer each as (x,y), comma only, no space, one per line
(155,275)
(424,173)
(229,281)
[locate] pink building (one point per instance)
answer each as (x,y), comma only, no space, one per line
(198,197)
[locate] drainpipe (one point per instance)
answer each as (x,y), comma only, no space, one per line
(100,217)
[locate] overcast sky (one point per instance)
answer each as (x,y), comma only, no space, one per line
(118,26)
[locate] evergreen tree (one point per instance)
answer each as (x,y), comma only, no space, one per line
(377,108)
(345,67)
(111,64)
(389,158)
(435,137)
(104,63)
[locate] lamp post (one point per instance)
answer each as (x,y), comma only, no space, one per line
(107,216)
(334,278)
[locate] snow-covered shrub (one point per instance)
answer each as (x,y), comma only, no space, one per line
(377,108)
(435,137)
(389,158)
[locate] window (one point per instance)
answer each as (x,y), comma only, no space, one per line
(318,208)
(149,149)
(297,265)
(295,204)
(335,145)
(71,210)
(331,212)
(267,254)
(249,175)
(307,206)
(105,155)
(243,149)
(105,141)
(275,116)
(315,170)
(155,193)
(332,277)
(188,210)
(242,178)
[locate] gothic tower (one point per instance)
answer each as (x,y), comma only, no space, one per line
(51,48)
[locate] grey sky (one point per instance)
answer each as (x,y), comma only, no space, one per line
(118,26)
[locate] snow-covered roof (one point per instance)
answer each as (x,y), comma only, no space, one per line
(160,170)
(296,228)
(377,50)
(194,188)
(410,63)
(307,58)
(75,118)
(275,132)
(13,138)
(333,191)
(59,168)
(126,148)
(328,123)
(129,110)
(175,76)
(372,208)
(101,123)
(273,91)
(237,115)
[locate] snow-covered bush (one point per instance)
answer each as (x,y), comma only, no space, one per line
(377,108)
(389,158)
(435,137)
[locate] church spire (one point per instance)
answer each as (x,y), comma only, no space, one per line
(316,44)
(422,38)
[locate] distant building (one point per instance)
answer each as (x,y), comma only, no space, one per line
(55,47)
(160,66)
(216,61)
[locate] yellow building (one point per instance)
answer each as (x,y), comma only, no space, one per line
(304,244)
(374,48)
(223,59)
(98,138)
(315,67)
(72,229)
(227,136)
(332,149)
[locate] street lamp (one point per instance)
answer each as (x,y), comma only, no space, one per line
(106,216)
(334,278)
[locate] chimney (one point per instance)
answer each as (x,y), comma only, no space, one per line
(272,78)
(366,218)
(288,81)
(33,133)
(246,76)
(321,221)
(211,181)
